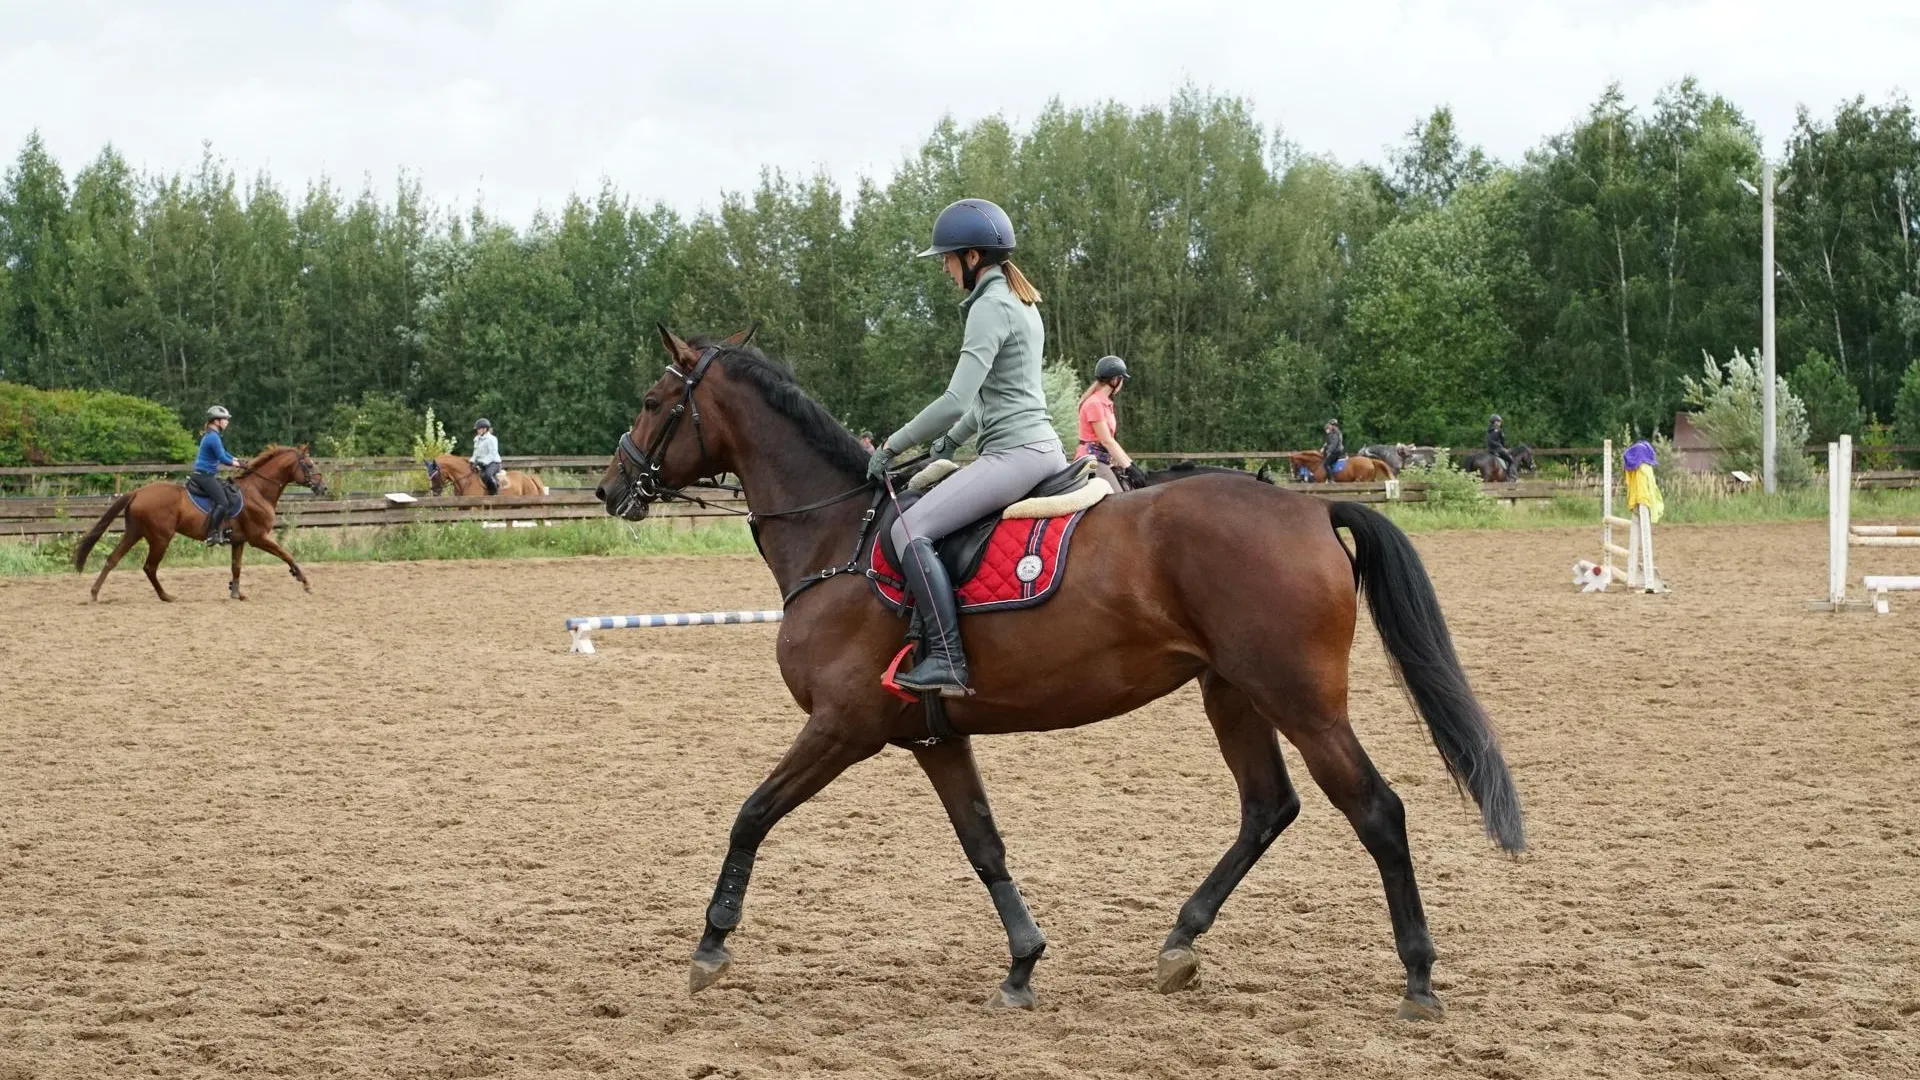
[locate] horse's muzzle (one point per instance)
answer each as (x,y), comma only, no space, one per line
(624,501)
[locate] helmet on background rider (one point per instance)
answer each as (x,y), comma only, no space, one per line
(1110,367)
(483,424)
(971,223)
(1331,424)
(218,412)
(1494,419)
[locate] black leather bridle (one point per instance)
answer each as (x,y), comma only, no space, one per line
(641,469)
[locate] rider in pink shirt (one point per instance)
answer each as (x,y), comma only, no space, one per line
(1099,422)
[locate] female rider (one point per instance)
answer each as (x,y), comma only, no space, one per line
(1098,423)
(996,393)
(205,479)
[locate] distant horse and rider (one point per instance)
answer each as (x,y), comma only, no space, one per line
(458,473)
(159,511)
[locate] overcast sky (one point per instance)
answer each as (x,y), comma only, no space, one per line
(519,102)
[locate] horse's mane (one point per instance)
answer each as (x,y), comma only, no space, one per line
(266,454)
(782,393)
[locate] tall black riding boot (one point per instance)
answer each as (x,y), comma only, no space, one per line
(945,669)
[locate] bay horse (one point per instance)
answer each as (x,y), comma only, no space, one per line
(465,479)
(1354,468)
(1494,471)
(1245,587)
(158,511)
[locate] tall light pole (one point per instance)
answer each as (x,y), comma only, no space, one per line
(1769,435)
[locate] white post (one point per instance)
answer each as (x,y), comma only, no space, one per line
(1839,516)
(1767,418)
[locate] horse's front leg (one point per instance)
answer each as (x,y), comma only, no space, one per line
(830,743)
(956,778)
(265,542)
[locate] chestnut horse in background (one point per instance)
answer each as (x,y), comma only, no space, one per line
(1243,586)
(458,471)
(156,512)
(1354,469)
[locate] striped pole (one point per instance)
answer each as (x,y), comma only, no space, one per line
(580,628)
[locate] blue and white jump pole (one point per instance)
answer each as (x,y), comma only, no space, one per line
(580,628)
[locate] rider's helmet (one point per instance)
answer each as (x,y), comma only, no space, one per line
(1333,423)
(483,424)
(218,412)
(1110,367)
(971,223)
(1494,419)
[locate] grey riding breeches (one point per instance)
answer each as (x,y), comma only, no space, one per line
(993,482)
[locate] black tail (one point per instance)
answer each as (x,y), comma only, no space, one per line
(1407,614)
(99,530)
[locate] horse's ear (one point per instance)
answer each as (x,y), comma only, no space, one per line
(742,338)
(678,351)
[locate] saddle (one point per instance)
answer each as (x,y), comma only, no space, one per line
(237,497)
(1004,561)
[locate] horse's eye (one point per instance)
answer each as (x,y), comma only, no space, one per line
(651,405)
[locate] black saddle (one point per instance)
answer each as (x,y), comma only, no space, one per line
(962,549)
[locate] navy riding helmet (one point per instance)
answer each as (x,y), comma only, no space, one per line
(1110,367)
(971,223)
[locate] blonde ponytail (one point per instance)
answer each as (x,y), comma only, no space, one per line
(1018,282)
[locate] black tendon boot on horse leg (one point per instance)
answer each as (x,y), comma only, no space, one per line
(944,671)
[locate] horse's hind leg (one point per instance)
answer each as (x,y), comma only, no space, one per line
(1341,768)
(956,778)
(127,539)
(1268,804)
(233,583)
(157,550)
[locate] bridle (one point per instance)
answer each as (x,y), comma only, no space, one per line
(641,468)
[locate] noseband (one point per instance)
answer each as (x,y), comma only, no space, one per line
(641,469)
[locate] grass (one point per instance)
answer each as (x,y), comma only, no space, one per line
(467,540)
(406,543)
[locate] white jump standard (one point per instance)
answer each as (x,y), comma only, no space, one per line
(1639,573)
(581,628)
(1842,534)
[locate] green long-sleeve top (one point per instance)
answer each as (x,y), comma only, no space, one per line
(996,390)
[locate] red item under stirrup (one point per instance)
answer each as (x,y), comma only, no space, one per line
(890,677)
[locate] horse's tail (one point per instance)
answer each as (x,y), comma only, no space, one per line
(99,530)
(1407,614)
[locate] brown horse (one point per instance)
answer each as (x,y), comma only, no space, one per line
(1245,587)
(458,471)
(157,511)
(1494,471)
(1354,469)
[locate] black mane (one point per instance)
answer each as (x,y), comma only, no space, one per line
(783,395)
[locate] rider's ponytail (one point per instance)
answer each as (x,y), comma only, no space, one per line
(1018,282)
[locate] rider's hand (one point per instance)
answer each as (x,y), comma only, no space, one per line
(878,464)
(1135,476)
(943,448)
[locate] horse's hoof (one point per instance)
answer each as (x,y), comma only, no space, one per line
(1005,997)
(1177,970)
(707,970)
(1426,1008)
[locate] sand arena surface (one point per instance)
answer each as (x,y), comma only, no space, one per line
(404,833)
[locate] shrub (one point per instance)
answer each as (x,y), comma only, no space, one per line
(378,425)
(1727,407)
(1449,488)
(432,441)
(1906,408)
(1063,388)
(52,427)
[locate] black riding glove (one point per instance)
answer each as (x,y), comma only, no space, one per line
(1134,475)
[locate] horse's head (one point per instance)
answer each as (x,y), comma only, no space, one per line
(437,477)
(1523,458)
(1306,465)
(680,433)
(308,471)
(288,465)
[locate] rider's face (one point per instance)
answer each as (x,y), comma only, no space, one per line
(956,268)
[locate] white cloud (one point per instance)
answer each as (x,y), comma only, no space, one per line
(522,101)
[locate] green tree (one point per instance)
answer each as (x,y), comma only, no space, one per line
(1728,407)
(1833,405)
